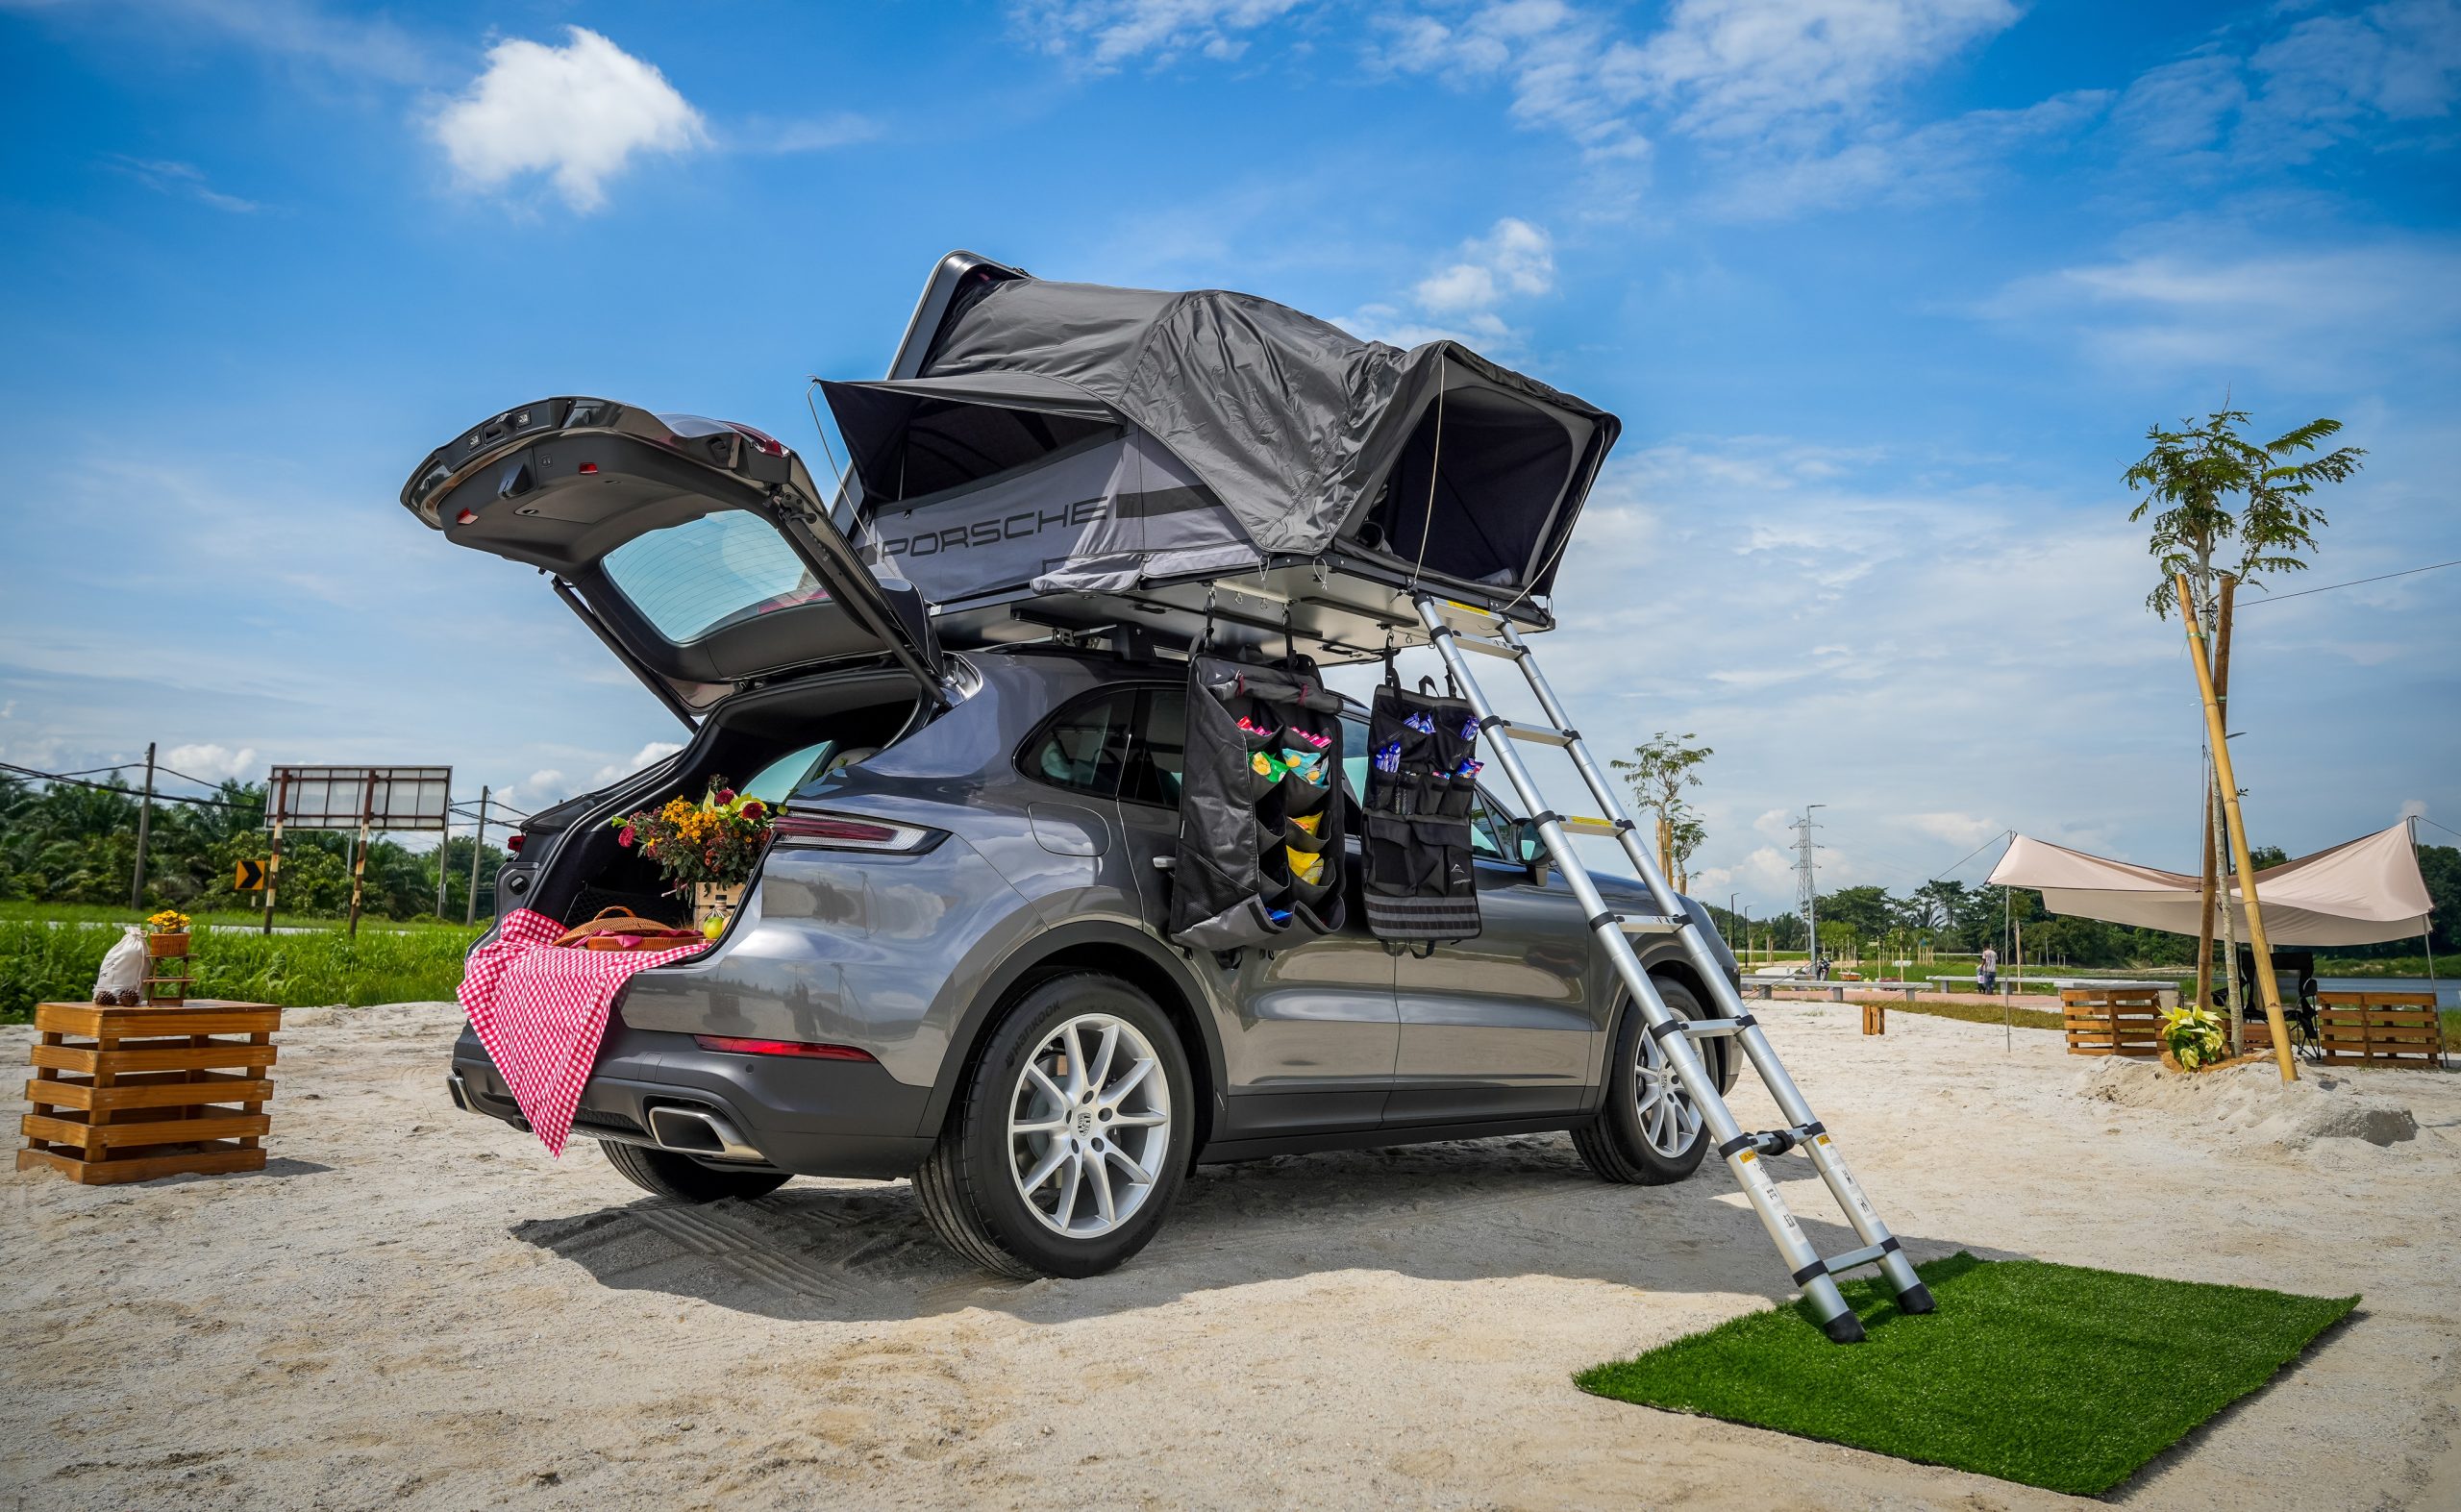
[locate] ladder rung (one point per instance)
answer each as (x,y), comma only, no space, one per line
(1538,735)
(1489,648)
(1713,1028)
(1649,924)
(1465,616)
(1854,1257)
(1585,824)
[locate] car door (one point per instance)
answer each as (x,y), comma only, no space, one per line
(1309,1031)
(1510,1022)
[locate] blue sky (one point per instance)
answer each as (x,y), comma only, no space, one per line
(1886,293)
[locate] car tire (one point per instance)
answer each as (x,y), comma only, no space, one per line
(666,1173)
(1634,1145)
(977,1186)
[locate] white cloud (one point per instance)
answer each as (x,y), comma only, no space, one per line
(165,177)
(577,113)
(2307,313)
(1098,36)
(1567,69)
(1746,68)
(1887,164)
(818,133)
(1463,299)
(648,755)
(1962,830)
(300,30)
(2288,96)
(216,762)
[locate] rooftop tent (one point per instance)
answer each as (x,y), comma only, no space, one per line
(2360,892)
(1067,435)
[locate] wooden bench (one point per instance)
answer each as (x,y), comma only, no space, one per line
(136,1094)
(2381,1029)
(2113,1021)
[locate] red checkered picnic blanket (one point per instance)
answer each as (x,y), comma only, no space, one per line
(541,1011)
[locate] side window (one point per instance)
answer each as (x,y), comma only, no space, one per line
(1086,746)
(1157,748)
(1355,756)
(1491,821)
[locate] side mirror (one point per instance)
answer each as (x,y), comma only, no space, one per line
(1532,849)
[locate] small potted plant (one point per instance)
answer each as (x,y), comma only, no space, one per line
(2192,1038)
(705,851)
(166,954)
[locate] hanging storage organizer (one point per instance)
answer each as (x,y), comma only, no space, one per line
(1260,807)
(1422,784)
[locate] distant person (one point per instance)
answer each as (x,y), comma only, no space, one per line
(1820,968)
(1987,972)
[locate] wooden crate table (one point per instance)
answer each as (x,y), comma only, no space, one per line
(134,1094)
(2113,1021)
(2382,1029)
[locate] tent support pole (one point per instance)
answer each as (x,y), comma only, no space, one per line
(2227,779)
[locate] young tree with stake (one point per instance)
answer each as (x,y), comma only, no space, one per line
(2193,474)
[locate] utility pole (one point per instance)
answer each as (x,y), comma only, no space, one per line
(1807,883)
(478,848)
(144,824)
(443,849)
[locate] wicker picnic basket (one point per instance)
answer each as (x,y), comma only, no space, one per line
(617,930)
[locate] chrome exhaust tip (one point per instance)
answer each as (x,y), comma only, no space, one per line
(700,1131)
(458,1091)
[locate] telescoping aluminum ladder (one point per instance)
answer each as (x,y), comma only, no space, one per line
(1457,631)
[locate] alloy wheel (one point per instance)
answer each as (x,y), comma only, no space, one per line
(1089,1126)
(1669,1120)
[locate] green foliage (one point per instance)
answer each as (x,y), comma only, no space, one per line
(43,963)
(1658,773)
(2050,1375)
(2193,473)
(64,844)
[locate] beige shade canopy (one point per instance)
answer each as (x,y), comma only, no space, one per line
(2359,892)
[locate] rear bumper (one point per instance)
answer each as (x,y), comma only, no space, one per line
(807,1117)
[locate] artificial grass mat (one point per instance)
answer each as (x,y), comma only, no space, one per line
(2047,1374)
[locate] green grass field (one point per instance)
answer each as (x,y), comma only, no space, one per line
(2046,1375)
(221,918)
(40,964)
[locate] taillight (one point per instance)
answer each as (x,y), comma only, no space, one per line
(841,833)
(512,841)
(778,1047)
(764,444)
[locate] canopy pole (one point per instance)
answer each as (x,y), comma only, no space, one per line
(2227,779)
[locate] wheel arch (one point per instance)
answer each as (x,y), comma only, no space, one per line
(1090,945)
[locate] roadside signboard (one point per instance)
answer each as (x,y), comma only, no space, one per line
(367,798)
(250,878)
(381,798)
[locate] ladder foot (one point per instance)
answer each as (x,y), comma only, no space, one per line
(1915,1299)
(1844,1328)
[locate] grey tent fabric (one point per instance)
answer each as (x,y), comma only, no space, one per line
(1100,515)
(1303,434)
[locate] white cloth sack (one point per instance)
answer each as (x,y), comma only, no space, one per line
(124,964)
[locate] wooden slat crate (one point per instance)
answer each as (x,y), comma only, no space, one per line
(2113,1021)
(2383,1028)
(134,1094)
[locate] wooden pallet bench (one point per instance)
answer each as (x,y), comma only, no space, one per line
(2113,1021)
(2382,1029)
(135,1094)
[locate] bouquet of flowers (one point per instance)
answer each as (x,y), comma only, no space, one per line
(170,920)
(712,843)
(2193,1036)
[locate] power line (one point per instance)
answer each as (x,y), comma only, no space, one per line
(130,792)
(2406,572)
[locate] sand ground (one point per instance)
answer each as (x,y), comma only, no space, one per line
(416,1307)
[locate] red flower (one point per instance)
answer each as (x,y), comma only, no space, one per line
(624,836)
(726,795)
(754,808)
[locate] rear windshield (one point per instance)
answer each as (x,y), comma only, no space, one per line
(688,580)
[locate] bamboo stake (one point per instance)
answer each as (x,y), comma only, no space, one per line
(2238,826)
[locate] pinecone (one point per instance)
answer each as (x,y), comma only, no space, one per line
(103,997)
(127,998)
